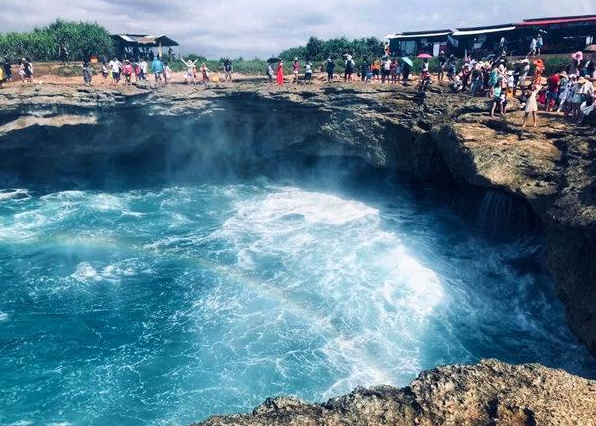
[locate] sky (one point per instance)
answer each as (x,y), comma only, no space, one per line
(261,28)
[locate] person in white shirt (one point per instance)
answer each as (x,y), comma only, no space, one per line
(115,66)
(143,69)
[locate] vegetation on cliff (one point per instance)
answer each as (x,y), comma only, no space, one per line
(82,40)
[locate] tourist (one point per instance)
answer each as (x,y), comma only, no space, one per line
(205,74)
(1,77)
(349,68)
(280,73)
(87,73)
(167,72)
(26,71)
(567,103)
(441,67)
(364,69)
(532,106)
(143,68)
(104,71)
(136,68)
(376,69)
(476,79)
(552,94)
(533,47)
(576,60)
(270,72)
(386,70)
(63,53)
(537,77)
(157,69)
(127,72)
(465,76)
(583,93)
(395,71)
(228,70)
(308,72)
(587,106)
(451,66)
(498,99)
(405,73)
(189,73)
(115,70)
(6,66)
(295,70)
(329,67)
(539,43)
(525,71)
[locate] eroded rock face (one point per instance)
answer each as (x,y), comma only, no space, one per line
(448,139)
(490,393)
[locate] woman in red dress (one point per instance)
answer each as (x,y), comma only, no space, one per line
(280,73)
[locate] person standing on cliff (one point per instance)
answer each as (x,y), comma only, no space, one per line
(280,73)
(441,70)
(87,73)
(295,70)
(532,106)
(330,68)
(157,68)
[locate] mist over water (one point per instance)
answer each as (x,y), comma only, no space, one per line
(165,305)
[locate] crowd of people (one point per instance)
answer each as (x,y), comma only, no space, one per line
(570,90)
(25,71)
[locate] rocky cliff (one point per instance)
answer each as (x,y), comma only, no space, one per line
(488,394)
(47,132)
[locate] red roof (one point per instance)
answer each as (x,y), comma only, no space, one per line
(553,21)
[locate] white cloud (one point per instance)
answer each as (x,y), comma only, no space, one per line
(264,27)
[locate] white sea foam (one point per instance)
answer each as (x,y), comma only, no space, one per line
(3,316)
(13,194)
(86,273)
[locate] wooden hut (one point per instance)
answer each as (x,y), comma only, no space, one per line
(561,35)
(134,46)
(482,41)
(415,43)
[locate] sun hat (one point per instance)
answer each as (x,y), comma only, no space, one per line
(563,73)
(581,80)
(525,61)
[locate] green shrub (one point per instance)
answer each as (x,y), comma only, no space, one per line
(83,39)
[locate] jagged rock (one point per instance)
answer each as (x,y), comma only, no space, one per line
(488,394)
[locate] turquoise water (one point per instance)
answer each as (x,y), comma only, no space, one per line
(164,306)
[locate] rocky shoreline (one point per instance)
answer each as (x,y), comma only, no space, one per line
(490,393)
(437,137)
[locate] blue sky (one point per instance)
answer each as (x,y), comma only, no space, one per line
(265,27)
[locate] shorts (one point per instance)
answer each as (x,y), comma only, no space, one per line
(375,72)
(308,76)
(386,73)
(158,74)
(552,96)
(116,75)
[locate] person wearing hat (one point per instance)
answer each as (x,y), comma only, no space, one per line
(583,93)
(525,70)
(330,68)
(349,68)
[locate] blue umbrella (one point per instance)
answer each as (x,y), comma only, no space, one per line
(408,61)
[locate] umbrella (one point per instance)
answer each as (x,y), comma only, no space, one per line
(590,48)
(407,61)
(273,60)
(424,56)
